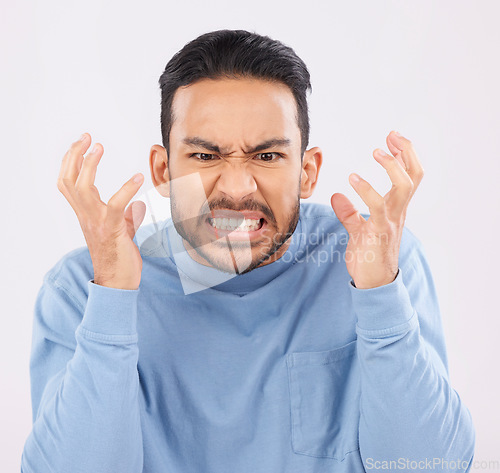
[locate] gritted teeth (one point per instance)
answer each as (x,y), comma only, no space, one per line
(247,224)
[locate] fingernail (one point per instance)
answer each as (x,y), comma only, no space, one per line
(354,178)
(94,148)
(137,178)
(381,152)
(83,137)
(398,134)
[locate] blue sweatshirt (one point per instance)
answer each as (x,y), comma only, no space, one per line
(288,368)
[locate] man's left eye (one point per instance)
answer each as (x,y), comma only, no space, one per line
(268,156)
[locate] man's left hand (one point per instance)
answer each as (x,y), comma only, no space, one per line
(372,252)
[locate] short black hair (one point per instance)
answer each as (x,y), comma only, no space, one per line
(235,54)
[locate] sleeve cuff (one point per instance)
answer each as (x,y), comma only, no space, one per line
(384,307)
(111,311)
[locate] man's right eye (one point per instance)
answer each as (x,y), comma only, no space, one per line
(203,156)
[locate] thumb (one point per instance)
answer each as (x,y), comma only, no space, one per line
(346,212)
(134,215)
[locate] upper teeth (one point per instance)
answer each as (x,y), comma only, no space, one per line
(246,224)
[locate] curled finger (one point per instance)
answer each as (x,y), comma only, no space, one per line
(118,202)
(374,201)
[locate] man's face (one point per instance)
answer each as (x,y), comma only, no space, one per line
(241,137)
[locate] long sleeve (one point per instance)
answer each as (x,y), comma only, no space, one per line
(84,382)
(410,414)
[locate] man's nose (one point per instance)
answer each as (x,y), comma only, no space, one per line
(236,182)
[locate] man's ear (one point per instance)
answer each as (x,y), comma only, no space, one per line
(311,164)
(158,164)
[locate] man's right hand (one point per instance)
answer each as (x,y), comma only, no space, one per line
(108,229)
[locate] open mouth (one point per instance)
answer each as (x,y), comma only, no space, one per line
(236,224)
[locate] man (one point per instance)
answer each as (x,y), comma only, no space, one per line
(249,332)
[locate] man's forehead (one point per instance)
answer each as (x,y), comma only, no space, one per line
(234,113)
(236,86)
(210,97)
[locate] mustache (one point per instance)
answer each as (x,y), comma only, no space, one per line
(222,203)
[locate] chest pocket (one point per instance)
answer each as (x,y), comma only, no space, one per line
(324,401)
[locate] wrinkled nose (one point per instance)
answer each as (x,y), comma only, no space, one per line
(236,182)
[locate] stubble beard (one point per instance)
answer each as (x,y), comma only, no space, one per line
(223,254)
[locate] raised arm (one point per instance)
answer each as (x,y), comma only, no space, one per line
(411,417)
(409,412)
(84,354)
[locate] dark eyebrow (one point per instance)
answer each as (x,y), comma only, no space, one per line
(200,142)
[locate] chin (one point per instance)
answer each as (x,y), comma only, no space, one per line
(234,261)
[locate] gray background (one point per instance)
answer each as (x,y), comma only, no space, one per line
(428,69)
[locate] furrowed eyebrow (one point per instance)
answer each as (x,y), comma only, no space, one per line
(200,142)
(270,144)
